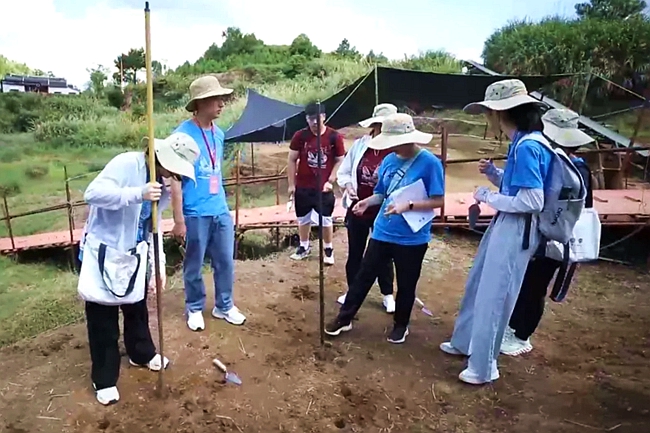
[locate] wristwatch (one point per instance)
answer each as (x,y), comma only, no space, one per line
(410,205)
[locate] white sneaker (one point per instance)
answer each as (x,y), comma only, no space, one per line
(107,396)
(450,350)
(233,316)
(341,299)
(509,332)
(328,256)
(153,365)
(389,304)
(195,321)
(513,346)
(469,376)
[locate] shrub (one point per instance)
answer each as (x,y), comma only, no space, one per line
(9,155)
(37,171)
(10,188)
(115,97)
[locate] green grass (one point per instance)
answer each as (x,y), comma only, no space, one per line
(33,176)
(35,298)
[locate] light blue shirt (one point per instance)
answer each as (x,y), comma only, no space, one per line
(530,167)
(394,228)
(197,199)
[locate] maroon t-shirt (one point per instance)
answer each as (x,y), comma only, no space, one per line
(367,177)
(304,141)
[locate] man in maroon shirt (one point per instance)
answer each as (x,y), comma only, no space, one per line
(303,178)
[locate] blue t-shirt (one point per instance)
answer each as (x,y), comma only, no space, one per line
(197,200)
(394,228)
(530,167)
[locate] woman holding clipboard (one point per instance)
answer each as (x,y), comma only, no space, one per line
(392,237)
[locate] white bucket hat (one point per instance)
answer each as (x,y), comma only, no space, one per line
(503,95)
(561,126)
(379,114)
(177,153)
(205,87)
(398,129)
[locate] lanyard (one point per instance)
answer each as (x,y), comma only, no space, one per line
(211,152)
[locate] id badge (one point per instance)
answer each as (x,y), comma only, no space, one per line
(214,184)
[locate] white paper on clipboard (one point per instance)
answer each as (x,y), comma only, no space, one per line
(416,191)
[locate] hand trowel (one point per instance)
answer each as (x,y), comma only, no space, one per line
(229,376)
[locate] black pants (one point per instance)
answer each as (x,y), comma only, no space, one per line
(104,332)
(358,231)
(306,200)
(408,264)
(532,297)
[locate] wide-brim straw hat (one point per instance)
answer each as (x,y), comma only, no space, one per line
(561,127)
(398,129)
(203,88)
(501,96)
(177,154)
(380,112)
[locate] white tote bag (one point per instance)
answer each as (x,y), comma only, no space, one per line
(112,277)
(584,245)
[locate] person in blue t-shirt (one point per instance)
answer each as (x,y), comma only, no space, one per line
(510,241)
(392,237)
(201,215)
(561,128)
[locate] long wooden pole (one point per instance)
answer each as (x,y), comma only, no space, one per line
(154,204)
(321,274)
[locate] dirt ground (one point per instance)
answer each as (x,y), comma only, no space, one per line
(589,371)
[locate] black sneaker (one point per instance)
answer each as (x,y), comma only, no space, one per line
(301,253)
(398,335)
(328,257)
(335,327)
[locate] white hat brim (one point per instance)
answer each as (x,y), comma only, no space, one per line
(366,123)
(223,91)
(501,105)
(566,137)
(170,161)
(386,141)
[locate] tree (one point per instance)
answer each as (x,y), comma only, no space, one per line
(235,43)
(157,69)
(344,50)
(128,66)
(611,9)
(371,57)
(98,77)
(614,49)
(303,46)
(10,67)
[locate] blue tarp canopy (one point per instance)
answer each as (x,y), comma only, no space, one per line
(263,119)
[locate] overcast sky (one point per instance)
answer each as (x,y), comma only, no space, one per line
(69,36)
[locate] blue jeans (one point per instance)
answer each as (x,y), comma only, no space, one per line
(214,237)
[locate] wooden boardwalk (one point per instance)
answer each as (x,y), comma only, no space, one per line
(616,207)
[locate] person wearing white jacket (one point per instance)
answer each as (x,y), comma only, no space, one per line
(119,223)
(357,175)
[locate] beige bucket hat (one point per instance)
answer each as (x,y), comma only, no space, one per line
(398,129)
(177,153)
(561,126)
(379,114)
(503,95)
(205,87)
